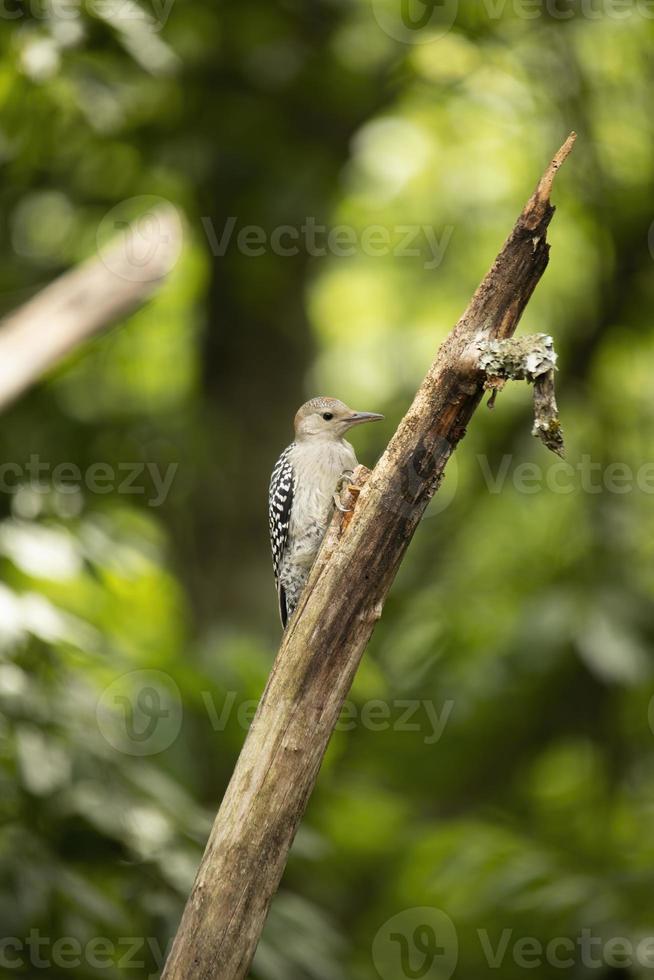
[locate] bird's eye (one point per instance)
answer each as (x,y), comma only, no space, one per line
(327,416)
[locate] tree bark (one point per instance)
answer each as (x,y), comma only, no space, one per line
(322,647)
(85,300)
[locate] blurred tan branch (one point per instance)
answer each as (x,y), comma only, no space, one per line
(323,645)
(83,302)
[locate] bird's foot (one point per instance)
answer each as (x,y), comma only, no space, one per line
(339,506)
(344,483)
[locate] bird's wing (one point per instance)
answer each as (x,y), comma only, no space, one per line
(280,502)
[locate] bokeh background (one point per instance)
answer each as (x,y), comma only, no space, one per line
(522,616)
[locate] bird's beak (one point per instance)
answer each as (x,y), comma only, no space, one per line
(356,418)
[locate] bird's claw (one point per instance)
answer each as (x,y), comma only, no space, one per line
(339,506)
(344,484)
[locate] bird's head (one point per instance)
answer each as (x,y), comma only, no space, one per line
(328,418)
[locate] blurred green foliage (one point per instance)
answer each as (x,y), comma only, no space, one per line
(521,622)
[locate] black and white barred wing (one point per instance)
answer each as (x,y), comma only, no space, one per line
(280,502)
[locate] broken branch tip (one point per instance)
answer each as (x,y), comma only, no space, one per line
(544,188)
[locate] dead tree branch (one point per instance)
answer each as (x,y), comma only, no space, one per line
(85,300)
(321,649)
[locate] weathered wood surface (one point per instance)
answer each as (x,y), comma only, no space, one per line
(320,652)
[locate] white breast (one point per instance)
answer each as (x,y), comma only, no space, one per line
(317,466)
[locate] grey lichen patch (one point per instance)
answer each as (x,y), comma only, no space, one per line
(531,359)
(517,358)
(547,426)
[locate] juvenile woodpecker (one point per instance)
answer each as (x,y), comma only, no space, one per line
(302,488)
